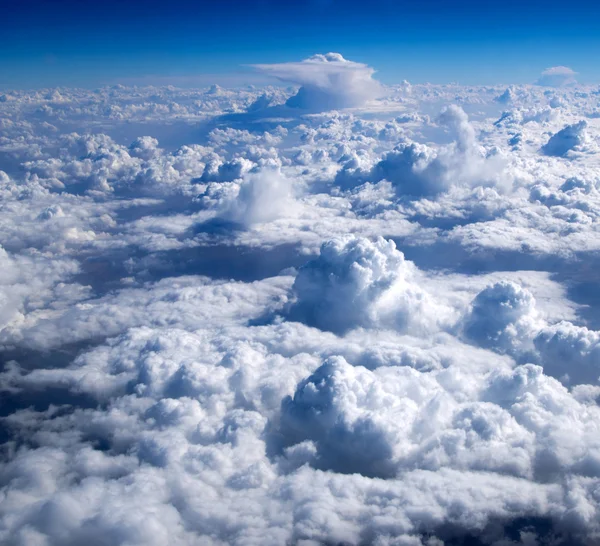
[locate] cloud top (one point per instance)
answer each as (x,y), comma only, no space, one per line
(568,138)
(355,282)
(557,76)
(327,82)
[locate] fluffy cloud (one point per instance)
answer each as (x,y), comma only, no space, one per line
(356,282)
(557,76)
(380,423)
(209,334)
(568,138)
(503,317)
(327,82)
(263,196)
(570,352)
(418,170)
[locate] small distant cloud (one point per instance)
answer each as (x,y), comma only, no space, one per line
(557,76)
(327,82)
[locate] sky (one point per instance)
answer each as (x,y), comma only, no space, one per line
(187,43)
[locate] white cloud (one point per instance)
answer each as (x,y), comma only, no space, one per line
(419,170)
(567,139)
(356,282)
(503,317)
(327,82)
(377,325)
(557,76)
(263,196)
(570,352)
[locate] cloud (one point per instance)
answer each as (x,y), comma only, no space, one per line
(419,170)
(355,282)
(569,352)
(325,409)
(382,422)
(557,76)
(375,325)
(263,196)
(567,139)
(507,97)
(503,317)
(327,82)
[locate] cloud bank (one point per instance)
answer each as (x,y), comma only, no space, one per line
(371,325)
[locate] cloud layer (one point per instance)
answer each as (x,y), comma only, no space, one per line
(327,315)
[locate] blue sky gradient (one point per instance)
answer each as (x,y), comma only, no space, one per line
(49,43)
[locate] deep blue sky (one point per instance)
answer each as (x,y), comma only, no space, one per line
(64,42)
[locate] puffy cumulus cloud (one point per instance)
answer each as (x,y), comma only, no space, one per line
(383,422)
(377,423)
(457,120)
(263,196)
(568,138)
(327,82)
(570,352)
(557,76)
(209,337)
(95,164)
(145,147)
(189,301)
(419,170)
(30,284)
(231,435)
(217,171)
(504,317)
(507,97)
(355,282)
(414,169)
(574,194)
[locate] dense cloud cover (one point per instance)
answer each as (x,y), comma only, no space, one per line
(326,314)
